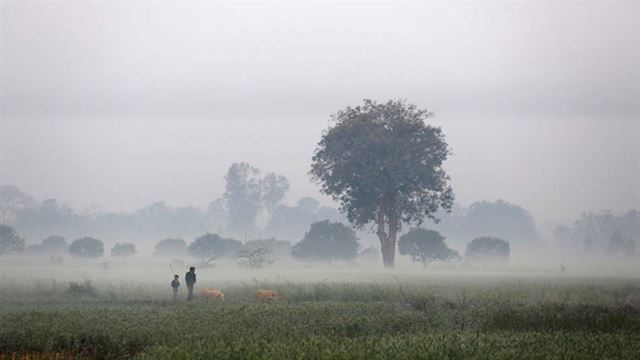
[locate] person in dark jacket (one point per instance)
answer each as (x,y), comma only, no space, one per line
(190,279)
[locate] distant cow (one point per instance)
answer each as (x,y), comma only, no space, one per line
(212,293)
(633,301)
(266,295)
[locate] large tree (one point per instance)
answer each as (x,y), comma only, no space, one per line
(383,164)
(247,193)
(243,197)
(274,189)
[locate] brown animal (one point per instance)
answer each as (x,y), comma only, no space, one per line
(212,293)
(632,301)
(266,295)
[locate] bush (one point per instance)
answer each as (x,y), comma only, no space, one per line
(488,249)
(277,248)
(86,247)
(84,288)
(124,249)
(254,258)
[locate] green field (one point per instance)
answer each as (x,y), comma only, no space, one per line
(386,315)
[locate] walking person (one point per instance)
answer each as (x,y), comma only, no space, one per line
(190,279)
(175,284)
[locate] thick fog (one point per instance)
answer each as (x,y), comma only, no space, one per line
(112,107)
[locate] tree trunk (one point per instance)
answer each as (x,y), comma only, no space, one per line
(388,253)
(387,241)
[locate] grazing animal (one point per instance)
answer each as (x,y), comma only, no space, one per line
(213,293)
(632,301)
(266,295)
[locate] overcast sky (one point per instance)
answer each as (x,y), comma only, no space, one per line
(121,105)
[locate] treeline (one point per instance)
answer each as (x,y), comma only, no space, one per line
(251,206)
(325,241)
(602,233)
(245,194)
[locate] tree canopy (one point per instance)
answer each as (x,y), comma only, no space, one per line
(86,247)
(488,248)
(171,247)
(51,245)
(12,202)
(327,241)
(383,164)
(123,249)
(618,245)
(247,194)
(426,246)
(208,247)
(10,241)
(593,231)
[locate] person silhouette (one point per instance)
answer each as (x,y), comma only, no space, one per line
(190,279)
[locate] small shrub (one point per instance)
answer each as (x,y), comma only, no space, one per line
(83,288)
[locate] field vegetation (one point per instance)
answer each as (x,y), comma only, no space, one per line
(123,313)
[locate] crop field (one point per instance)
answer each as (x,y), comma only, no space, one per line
(126,313)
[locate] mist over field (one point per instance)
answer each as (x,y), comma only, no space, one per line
(378,180)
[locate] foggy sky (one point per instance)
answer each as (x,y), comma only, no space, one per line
(120,105)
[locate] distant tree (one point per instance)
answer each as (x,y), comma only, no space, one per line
(382,163)
(254,258)
(50,245)
(502,219)
(12,202)
(426,246)
(243,197)
(33,249)
(86,247)
(327,241)
(598,228)
(10,241)
(171,247)
(274,189)
(488,249)
(50,217)
(291,222)
(54,245)
(216,215)
(124,249)
(277,248)
(209,247)
(369,254)
(618,245)
(163,220)
(588,244)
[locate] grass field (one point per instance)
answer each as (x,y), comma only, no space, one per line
(328,315)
